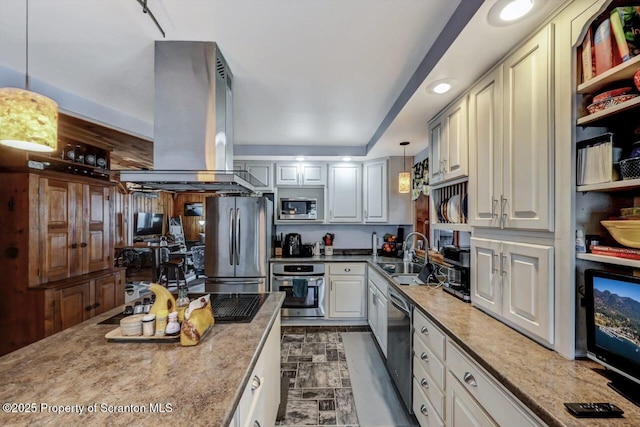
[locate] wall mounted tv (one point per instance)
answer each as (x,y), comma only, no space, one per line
(148,224)
(613,328)
(193,209)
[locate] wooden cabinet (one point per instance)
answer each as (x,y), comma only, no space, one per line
(377,307)
(511,142)
(309,174)
(375,191)
(263,171)
(345,192)
(514,282)
(347,290)
(448,139)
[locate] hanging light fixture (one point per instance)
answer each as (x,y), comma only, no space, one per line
(404,178)
(28,120)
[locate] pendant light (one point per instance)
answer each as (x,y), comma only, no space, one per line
(28,120)
(404,178)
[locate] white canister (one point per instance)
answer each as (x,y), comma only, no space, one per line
(328,250)
(316,249)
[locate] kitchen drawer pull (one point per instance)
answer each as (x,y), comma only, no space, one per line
(424,330)
(255,384)
(74,246)
(347,269)
(468,378)
(96,305)
(424,383)
(424,356)
(88,308)
(83,245)
(256,423)
(424,411)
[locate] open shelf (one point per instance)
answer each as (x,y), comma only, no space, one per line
(451,226)
(619,72)
(601,115)
(610,260)
(625,185)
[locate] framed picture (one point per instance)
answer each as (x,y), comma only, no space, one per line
(193,209)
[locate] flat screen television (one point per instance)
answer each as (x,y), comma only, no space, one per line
(148,224)
(613,328)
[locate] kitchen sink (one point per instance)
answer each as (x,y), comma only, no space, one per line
(407,279)
(401,267)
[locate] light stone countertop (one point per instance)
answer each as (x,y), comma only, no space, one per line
(203,384)
(540,378)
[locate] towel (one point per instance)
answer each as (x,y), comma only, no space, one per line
(299,288)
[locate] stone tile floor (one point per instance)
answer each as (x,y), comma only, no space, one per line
(320,391)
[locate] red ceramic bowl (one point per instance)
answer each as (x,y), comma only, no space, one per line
(636,79)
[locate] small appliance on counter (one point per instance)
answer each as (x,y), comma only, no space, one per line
(291,245)
(458,281)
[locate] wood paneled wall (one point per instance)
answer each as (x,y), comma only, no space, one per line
(190,224)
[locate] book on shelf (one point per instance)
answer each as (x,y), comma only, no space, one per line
(628,253)
(618,35)
(587,56)
(603,49)
(625,24)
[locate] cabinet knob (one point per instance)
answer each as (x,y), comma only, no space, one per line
(423,410)
(74,246)
(424,356)
(255,384)
(83,245)
(469,379)
(424,383)
(347,269)
(96,305)
(88,308)
(424,330)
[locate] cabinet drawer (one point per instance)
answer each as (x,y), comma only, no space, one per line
(428,387)
(462,409)
(426,358)
(424,411)
(429,333)
(502,407)
(347,268)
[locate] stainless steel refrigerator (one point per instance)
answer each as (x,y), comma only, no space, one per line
(238,234)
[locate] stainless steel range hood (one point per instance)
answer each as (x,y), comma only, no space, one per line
(193,122)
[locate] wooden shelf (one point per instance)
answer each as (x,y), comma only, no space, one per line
(601,115)
(624,185)
(610,260)
(620,72)
(451,226)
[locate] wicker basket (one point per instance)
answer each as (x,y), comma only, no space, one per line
(630,168)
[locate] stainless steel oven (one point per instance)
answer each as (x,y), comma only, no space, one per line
(304,286)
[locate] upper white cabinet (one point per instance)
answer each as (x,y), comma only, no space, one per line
(263,171)
(376,190)
(345,192)
(312,174)
(510,135)
(514,281)
(448,139)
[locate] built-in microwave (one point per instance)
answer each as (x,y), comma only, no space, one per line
(298,208)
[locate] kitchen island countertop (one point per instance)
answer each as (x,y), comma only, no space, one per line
(51,381)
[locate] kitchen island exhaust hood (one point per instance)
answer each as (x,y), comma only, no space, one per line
(193,123)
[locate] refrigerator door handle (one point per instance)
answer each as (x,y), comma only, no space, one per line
(238,236)
(232,236)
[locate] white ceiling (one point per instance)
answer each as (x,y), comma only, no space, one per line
(321,73)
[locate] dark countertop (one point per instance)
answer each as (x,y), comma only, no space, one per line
(79,368)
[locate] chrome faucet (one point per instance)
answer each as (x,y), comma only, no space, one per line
(409,253)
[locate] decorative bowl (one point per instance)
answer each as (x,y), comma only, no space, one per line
(636,79)
(625,232)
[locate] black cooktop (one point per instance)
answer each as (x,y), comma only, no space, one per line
(227,307)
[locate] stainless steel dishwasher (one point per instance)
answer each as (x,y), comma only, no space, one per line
(399,336)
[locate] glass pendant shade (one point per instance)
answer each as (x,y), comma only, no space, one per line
(404,182)
(28,121)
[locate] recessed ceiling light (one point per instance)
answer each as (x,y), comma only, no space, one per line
(440,86)
(346,159)
(300,158)
(515,9)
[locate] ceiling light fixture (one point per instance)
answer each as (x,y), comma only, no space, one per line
(300,159)
(28,120)
(508,12)
(440,86)
(404,178)
(346,159)
(515,9)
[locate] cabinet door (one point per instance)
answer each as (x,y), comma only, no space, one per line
(486,280)
(345,193)
(528,292)
(109,293)
(287,174)
(485,150)
(375,194)
(462,409)
(528,135)
(372,310)
(314,174)
(72,306)
(58,217)
(437,155)
(381,305)
(263,172)
(347,295)
(456,140)
(95,237)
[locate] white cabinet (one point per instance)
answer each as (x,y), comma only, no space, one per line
(308,174)
(377,307)
(514,282)
(263,171)
(448,139)
(510,135)
(462,409)
(260,400)
(375,191)
(345,192)
(347,290)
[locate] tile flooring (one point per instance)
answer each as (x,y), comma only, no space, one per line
(320,391)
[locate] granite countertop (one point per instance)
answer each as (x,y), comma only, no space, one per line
(77,368)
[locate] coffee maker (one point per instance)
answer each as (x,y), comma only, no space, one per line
(459,275)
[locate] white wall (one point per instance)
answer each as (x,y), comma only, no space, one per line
(347,236)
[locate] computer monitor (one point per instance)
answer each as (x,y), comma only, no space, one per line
(148,224)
